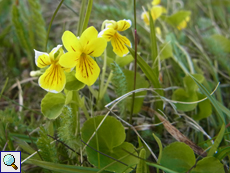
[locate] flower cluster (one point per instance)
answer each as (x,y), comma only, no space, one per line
(79,55)
(156,11)
(179,20)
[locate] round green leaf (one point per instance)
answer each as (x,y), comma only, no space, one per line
(181,95)
(166,51)
(52,105)
(190,85)
(178,157)
(109,140)
(177,17)
(72,83)
(123,61)
(222,42)
(208,165)
(204,108)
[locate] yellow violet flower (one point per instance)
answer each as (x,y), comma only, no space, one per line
(145,17)
(156,2)
(79,52)
(183,24)
(54,79)
(156,11)
(119,42)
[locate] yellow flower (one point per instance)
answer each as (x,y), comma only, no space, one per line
(158,30)
(145,17)
(53,80)
(79,52)
(183,24)
(156,2)
(119,42)
(156,12)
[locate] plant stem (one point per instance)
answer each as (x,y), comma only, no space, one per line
(52,19)
(135,70)
(88,12)
(81,18)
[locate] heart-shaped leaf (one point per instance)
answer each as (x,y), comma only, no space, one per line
(177,17)
(181,95)
(109,139)
(72,83)
(178,157)
(208,165)
(52,105)
(189,83)
(204,108)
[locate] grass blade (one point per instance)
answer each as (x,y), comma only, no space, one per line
(62,167)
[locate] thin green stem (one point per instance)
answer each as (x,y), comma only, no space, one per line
(88,12)
(135,69)
(101,87)
(4,87)
(82,105)
(107,83)
(75,108)
(81,18)
(52,19)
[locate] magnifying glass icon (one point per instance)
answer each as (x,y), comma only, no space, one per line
(9,160)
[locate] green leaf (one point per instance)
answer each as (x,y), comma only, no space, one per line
(160,147)
(220,113)
(204,108)
(181,95)
(189,83)
(109,140)
(222,42)
(219,138)
(178,157)
(166,51)
(48,151)
(208,165)
(142,167)
(26,147)
(147,70)
(177,17)
(69,96)
(139,97)
(214,102)
(52,105)
(153,46)
(72,83)
(221,154)
(63,168)
(123,61)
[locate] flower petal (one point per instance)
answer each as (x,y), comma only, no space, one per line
(145,17)
(87,36)
(56,53)
(157,11)
(122,25)
(53,80)
(87,70)
(69,59)
(156,2)
(71,42)
(182,25)
(118,42)
(42,59)
(107,33)
(96,47)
